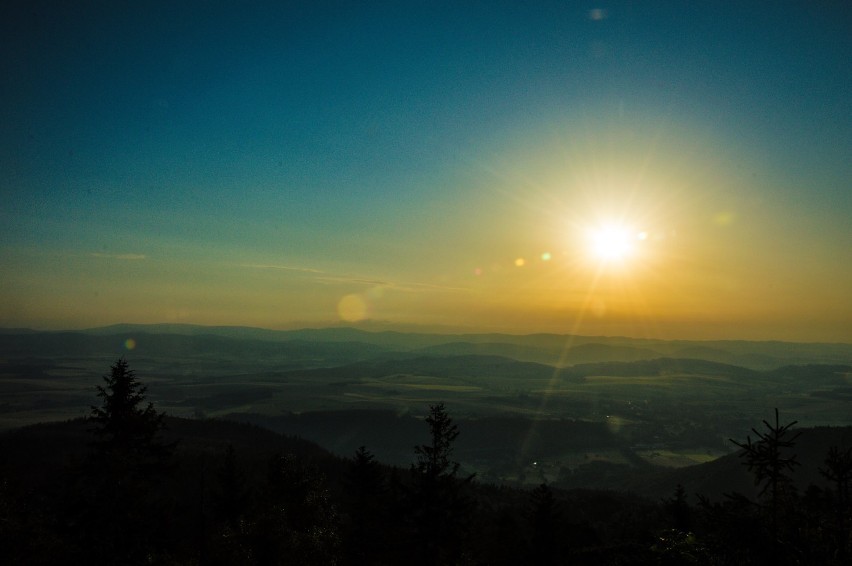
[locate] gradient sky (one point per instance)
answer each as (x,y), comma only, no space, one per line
(429,163)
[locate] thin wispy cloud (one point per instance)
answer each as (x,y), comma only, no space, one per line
(411,286)
(327,278)
(354,280)
(281,267)
(125,257)
(395,285)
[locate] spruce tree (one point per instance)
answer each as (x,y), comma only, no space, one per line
(439,506)
(127,431)
(678,508)
(544,519)
(122,516)
(433,460)
(366,503)
(838,470)
(767,459)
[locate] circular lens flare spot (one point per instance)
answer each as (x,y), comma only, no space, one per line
(352,308)
(130,344)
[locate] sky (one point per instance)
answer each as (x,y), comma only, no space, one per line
(646,169)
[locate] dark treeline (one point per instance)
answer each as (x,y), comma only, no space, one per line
(128,486)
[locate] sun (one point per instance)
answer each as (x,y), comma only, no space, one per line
(613,243)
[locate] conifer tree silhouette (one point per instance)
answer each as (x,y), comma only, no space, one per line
(678,507)
(125,428)
(838,470)
(122,523)
(544,520)
(439,507)
(230,493)
(433,460)
(766,458)
(366,502)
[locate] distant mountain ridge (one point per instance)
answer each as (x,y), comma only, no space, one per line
(550,349)
(464,366)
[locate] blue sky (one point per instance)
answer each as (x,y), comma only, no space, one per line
(154,156)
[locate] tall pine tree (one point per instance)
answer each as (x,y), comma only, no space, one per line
(441,510)
(366,505)
(126,430)
(122,517)
(769,460)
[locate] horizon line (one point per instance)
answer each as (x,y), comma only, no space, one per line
(406,328)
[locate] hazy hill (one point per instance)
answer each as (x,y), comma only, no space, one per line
(594,352)
(591,352)
(661,366)
(544,348)
(38,452)
(610,514)
(170,346)
(723,475)
(216,371)
(509,350)
(750,360)
(464,366)
(504,441)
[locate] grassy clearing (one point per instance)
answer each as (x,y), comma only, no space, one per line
(428,387)
(677,459)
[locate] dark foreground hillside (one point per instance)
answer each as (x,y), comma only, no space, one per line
(234,493)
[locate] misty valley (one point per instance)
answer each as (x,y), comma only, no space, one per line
(532,409)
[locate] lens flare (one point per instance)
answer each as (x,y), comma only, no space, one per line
(352,308)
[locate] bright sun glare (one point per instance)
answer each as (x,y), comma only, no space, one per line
(613,243)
